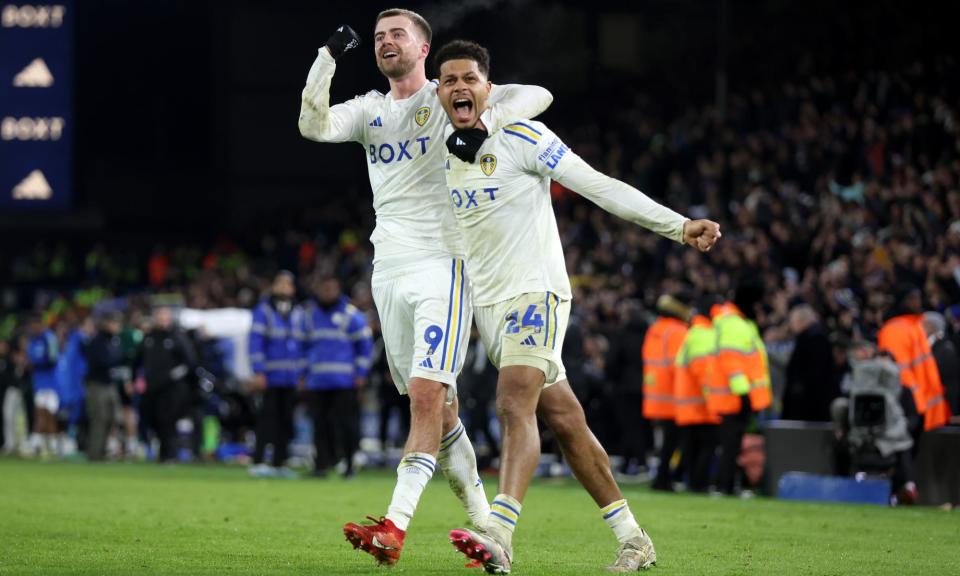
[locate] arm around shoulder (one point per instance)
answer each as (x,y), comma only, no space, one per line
(512,102)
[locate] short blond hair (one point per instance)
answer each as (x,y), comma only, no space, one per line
(419,21)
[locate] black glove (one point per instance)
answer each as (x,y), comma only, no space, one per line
(465,142)
(342,40)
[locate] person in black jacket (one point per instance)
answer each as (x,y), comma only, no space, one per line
(106,372)
(945,355)
(168,360)
(625,371)
(811,382)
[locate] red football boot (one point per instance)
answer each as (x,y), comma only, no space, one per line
(382,539)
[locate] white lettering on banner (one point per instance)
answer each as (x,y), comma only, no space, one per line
(30,16)
(31,128)
(33,187)
(34,75)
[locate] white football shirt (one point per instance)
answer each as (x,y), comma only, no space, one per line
(403,143)
(503,207)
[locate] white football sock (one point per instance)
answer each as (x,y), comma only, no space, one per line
(504,515)
(413,473)
(620,519)
(459,464)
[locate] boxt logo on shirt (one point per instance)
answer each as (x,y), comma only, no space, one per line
(388,153)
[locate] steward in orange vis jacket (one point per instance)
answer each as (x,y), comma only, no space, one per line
(696,372)
(743,384)
(660,347)
(903,336)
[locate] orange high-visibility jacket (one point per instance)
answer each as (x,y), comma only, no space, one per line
(741,360)
(660,347)
(695,374)
(904,337)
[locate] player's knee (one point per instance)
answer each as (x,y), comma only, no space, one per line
(426,398)
(561,411)
(566,423)
(513,408)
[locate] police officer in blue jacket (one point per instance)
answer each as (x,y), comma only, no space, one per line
(339,350)
(276,353)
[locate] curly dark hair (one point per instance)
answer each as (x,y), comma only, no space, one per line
(463,50)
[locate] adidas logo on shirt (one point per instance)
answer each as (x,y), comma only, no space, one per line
(376,122)
(426,363)
(529,341)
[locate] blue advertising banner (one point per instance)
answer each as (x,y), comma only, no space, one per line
(36,105)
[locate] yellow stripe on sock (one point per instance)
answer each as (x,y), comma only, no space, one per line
(612,506)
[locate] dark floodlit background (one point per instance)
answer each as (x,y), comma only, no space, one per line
(185,112)
(822,135)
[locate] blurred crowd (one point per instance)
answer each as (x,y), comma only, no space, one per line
(838,197)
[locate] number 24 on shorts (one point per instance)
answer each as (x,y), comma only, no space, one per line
(530,318)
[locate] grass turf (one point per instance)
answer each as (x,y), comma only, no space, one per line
(72,518)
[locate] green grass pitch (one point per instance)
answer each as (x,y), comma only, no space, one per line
(71,518)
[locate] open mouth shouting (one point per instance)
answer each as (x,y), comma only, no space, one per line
(462,108)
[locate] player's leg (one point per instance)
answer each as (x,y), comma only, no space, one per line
(383,539)
(443,317)
(424,316)
(457,457)
(562,412)
(520,337)
(518,391)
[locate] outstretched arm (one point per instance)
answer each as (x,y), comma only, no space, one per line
(512,102)
(627,202)
(550,157)
(318,120)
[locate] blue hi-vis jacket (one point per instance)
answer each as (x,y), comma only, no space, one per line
(276,344)
(339,345)
(43,352)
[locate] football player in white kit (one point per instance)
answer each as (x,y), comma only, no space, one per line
(500,194)
(419,284)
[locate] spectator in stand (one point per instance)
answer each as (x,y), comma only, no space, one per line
(339,345)
(43,351)
(811,383)
(168,360)
(276,352)
(105,375)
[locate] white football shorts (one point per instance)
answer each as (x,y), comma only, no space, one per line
(526,331)
(425,316)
